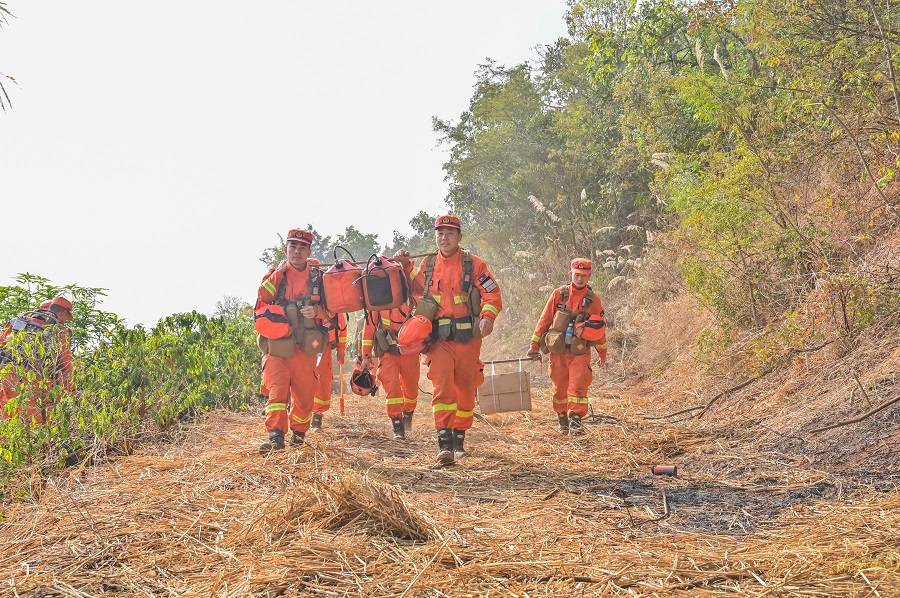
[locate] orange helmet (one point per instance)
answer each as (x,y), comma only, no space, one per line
(46,304)
(362,382)
(414,334)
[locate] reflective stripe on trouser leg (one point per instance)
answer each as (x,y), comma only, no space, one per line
(389,376)
(322,402)
(409,380)
(441,372)
(580,377)
(559,377)
(469,376)
(394,406)
(277,378)
(304,381)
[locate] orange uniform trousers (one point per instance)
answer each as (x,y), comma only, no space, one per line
(36,391)
(263,391)
(456,372)
(325,369)
(571,377)
(399,377)
(292,385)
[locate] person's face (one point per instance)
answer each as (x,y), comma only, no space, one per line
(447,239)
(580,280)
(297,254)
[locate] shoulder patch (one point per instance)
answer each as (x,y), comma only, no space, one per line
(487,283)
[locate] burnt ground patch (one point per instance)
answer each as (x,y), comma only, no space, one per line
(697,506)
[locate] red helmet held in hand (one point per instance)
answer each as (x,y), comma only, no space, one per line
(362,382)
(413,335)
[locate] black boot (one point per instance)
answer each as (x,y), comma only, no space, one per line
(459,444)
(575,425)
(563,423)
(297,438)
(399,430)
(407,421)
(445,447)
(316,424)
(275,442)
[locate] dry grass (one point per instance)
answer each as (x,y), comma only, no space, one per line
(762,507)
(529,513)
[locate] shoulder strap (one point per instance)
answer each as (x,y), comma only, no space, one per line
(563,298)
(589,298)
(314,285)
(282,290)
(429,271)
(468,266)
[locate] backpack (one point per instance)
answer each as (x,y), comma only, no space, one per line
(33,340)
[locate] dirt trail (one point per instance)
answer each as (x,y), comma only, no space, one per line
(530,512)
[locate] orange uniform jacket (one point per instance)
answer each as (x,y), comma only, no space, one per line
(446,283)
(297,287)
(65,367)
(576,296)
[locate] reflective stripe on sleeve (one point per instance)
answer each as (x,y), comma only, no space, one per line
(490,308)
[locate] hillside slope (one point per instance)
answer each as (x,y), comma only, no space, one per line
(355,513)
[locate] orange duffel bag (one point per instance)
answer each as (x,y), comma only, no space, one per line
(384,284)
(341,285)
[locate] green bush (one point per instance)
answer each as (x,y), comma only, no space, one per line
(129,382)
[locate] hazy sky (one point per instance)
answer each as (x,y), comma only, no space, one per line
(155,149)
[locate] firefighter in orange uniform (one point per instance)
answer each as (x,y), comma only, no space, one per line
(458,292)
(292,379)
(572,322)
(263,395)
(50,317)
(398,373)
(337,340)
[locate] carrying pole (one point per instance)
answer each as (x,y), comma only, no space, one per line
(412,257)
(341,370)
(517,360)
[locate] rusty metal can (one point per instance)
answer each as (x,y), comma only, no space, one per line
(671,470)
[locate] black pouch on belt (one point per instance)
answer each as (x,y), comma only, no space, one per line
(463,329)
(444,329)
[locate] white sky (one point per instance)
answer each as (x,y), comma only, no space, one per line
(155,149)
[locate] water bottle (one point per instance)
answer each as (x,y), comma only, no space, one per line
(570,332)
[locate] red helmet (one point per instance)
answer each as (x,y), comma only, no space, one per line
(594,329)
(271,321)
(413,334)
(46,304)
(362,382)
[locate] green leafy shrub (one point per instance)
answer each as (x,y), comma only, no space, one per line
(129,383)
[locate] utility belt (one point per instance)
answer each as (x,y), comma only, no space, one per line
(457,330)
(560,338)
(385,342)
(307,334)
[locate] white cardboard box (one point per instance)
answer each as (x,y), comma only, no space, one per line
(502,393)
